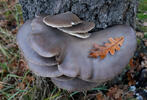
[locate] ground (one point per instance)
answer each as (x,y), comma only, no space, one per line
(17,82)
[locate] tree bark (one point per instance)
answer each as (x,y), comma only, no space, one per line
(103,13)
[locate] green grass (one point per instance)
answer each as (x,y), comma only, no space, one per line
(142,10)
(142,6)
(8,77)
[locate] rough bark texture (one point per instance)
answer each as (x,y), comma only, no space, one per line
(104,13)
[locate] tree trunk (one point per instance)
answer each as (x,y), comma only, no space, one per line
(103,13)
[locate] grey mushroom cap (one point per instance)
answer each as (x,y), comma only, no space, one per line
(75,84)
(44,71)
(28,52)
(63,78)
(77,64)
(81,28)
(66,19)
(45,40)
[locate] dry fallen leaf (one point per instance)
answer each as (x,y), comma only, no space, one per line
(145,43)
(131,63)
(30,78)
(139,34)
(110,47)
(118,94)
(130,79)
(21,85)
(99,96)
(1,86)
(112,91)
(115,93)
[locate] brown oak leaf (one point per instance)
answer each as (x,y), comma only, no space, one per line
(111,47)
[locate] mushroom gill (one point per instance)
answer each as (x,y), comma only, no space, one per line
(70,24)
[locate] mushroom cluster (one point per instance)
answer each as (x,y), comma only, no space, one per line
(58,46)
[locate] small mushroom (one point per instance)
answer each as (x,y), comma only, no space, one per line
(66,19)
(28,52)
(45,40)
(70,24)
(80,30)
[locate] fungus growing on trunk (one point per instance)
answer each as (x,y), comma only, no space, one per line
(70,24)
(66,19)
(51,52)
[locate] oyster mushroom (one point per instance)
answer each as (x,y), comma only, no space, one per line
(29,54)
(66,19)
(70,24)
(76,71)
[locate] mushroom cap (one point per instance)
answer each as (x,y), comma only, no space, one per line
(76,62)
(45,40)
(80,28)
(75,84)
(28,52)
(66,19)
(45,71)
(63,78)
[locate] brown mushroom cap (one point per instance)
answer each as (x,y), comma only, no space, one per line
(45,71)
(66,19)
(77,64)
(83,27)
(28,52)
(45,40)
(75,84)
